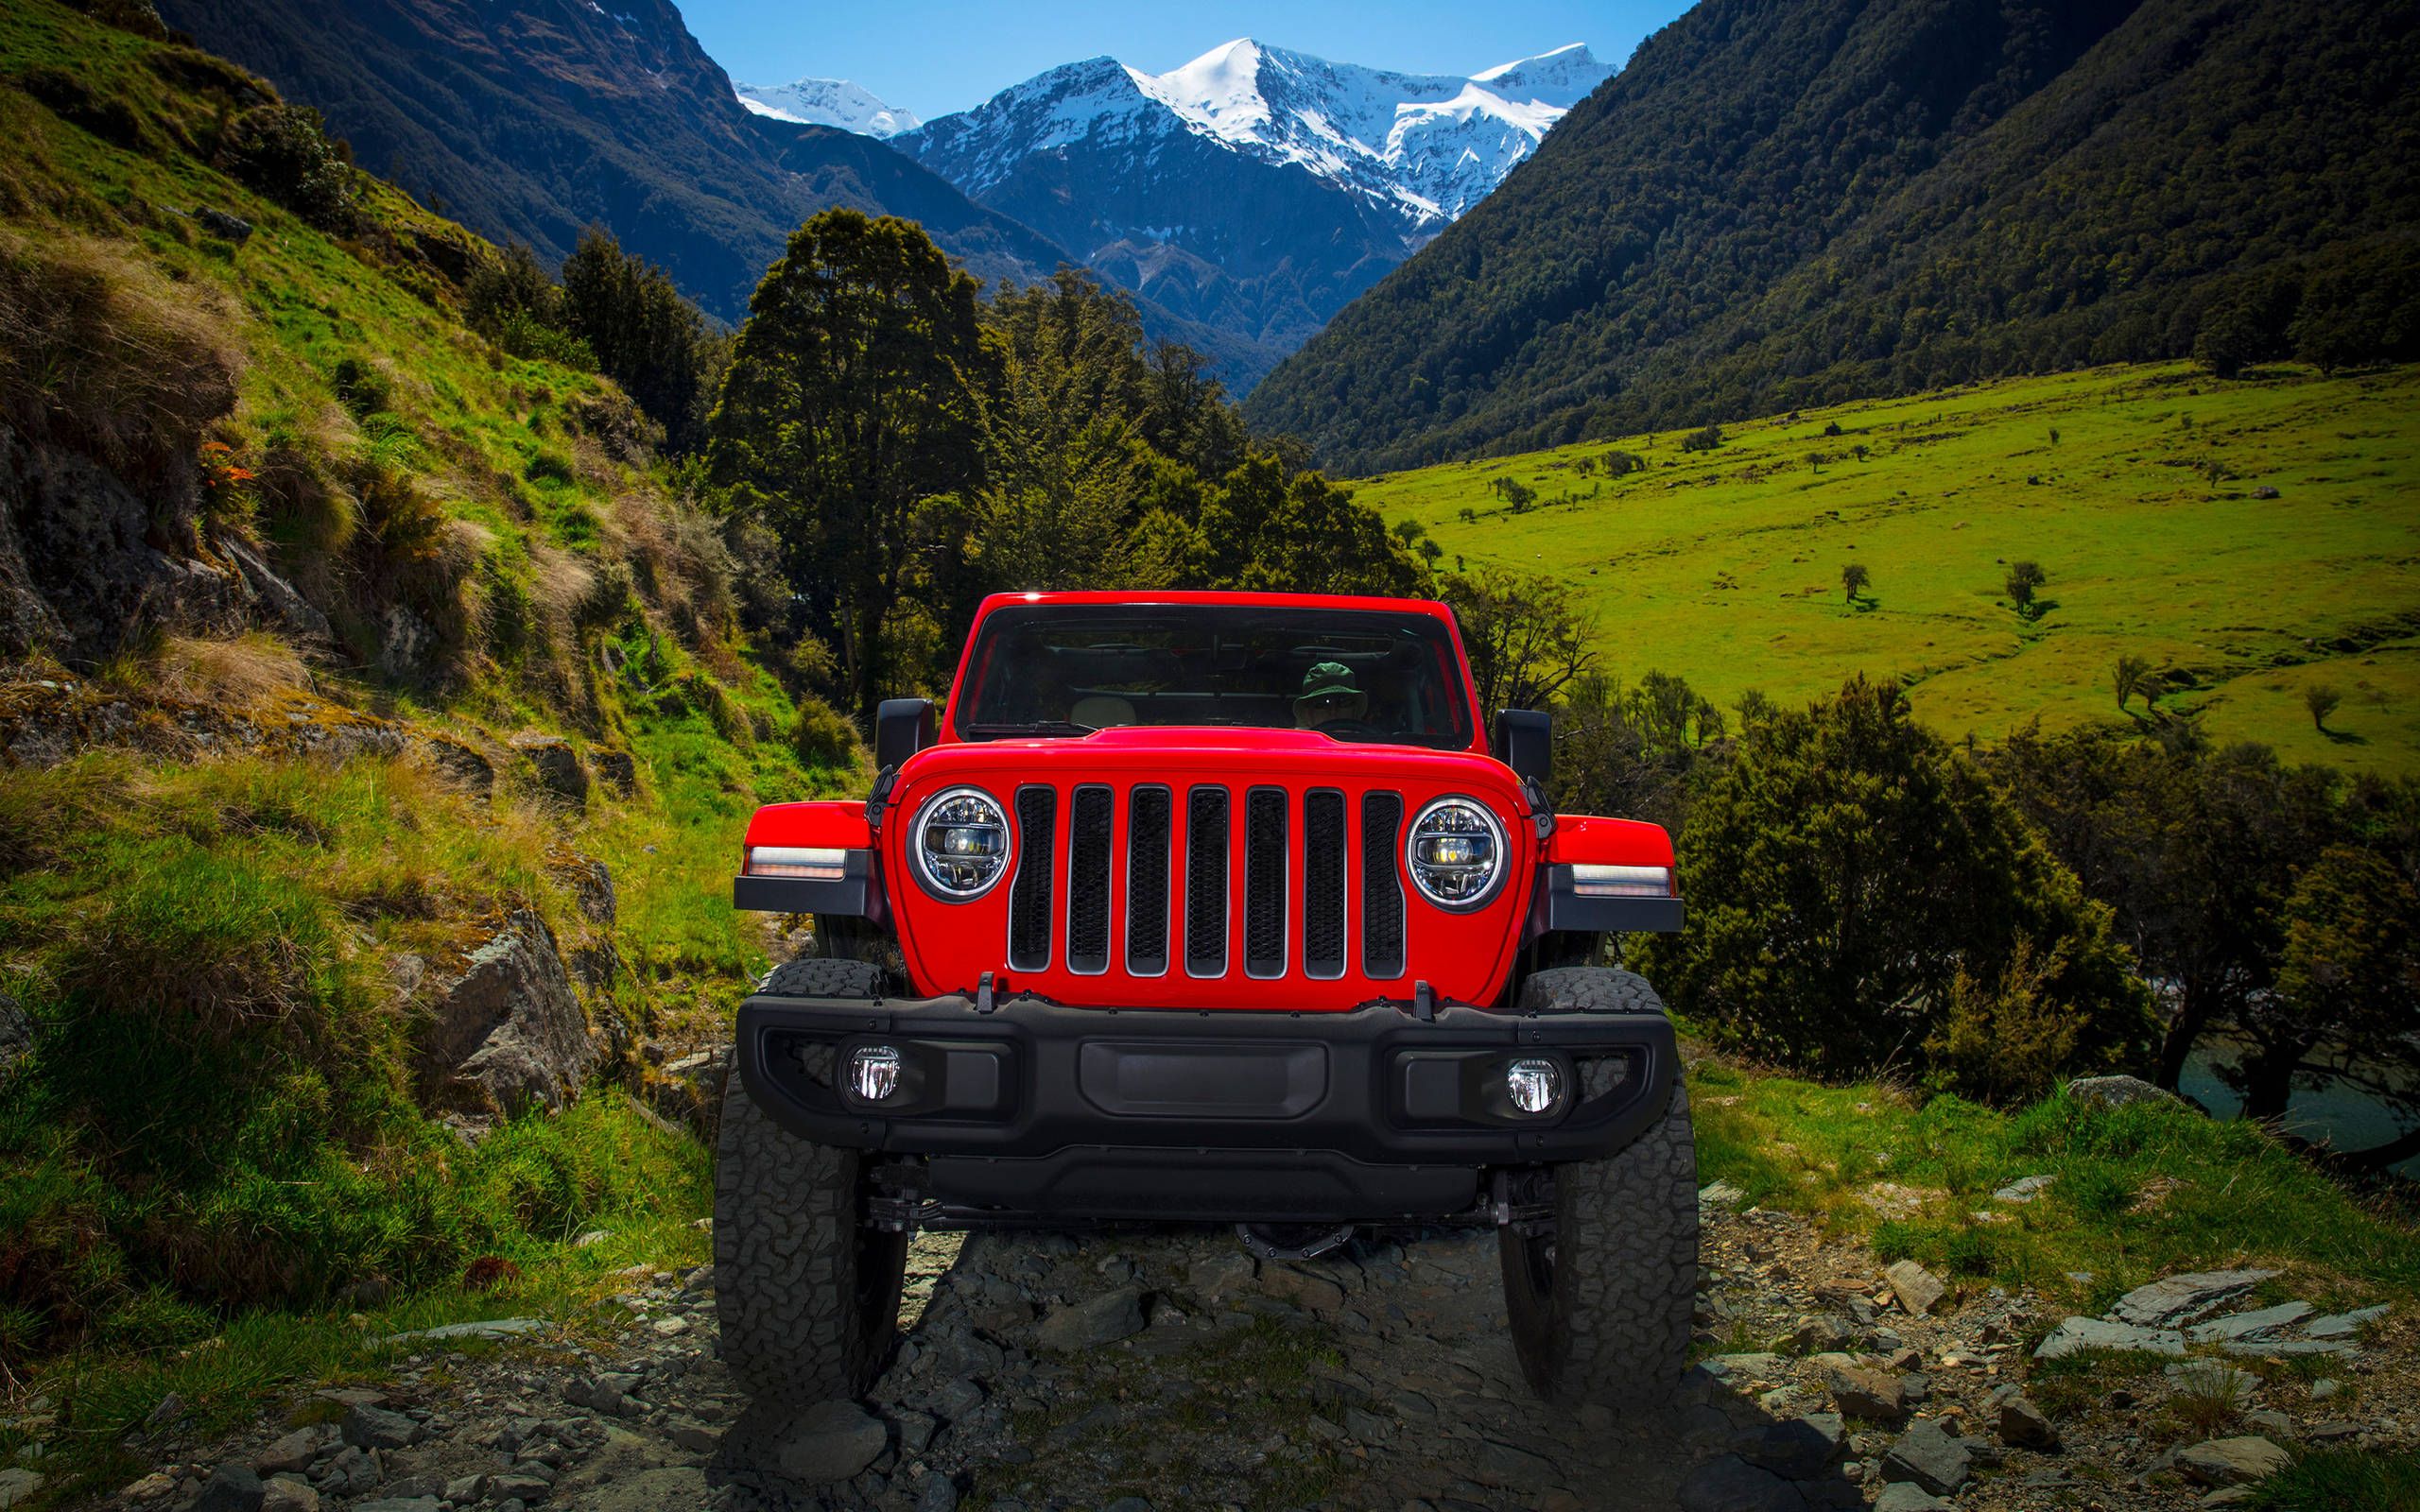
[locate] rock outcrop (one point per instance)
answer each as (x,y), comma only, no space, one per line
(508,1033)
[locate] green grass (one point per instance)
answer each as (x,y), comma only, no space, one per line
(2333,1480)
(1724,566)
(2140,1192)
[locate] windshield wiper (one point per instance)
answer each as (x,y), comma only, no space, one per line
(1039,727)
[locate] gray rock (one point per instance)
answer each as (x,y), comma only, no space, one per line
(958,1399)
(1221,1276)
(1917,1288)
(497,1328)
(1931,1456)
(1300,1287)
(1735,1369)
(1873,1395)
(2287,1347)
(2023,1425)
(2325,1387)
(1508,1464)
(2075,1334)
(830,1441)
(464,1489)
(2344,1324)
(1094,1321)
(2176,1299)
(220,224)
(1906,1496)
(2232,1461)
(553,765)
(1797,1450)
(2255,1324)
(937,1495)
(16,1487)
(1719,1195)
(367,1427)
(464,765)
(510,1032)
(79,569)
(400,1504)
(283,1493)
(2024,1189)
(294,1451)
(2118,1091)
(291,608)
(1729,1484)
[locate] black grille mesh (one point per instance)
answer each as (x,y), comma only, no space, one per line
(1030,895)
(1206,881)
(1381,891)
(1265,881)
(1323,884)
(1148,813)
(1088,863)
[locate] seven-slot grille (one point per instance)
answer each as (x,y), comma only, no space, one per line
(1155,870)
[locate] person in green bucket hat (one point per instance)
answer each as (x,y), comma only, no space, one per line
(1329,695)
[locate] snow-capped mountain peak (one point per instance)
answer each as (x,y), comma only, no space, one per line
(1426,146)
(827,102)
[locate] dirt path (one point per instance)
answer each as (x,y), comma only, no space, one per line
(1165,1369)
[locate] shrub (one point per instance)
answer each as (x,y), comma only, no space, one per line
(824,738)
(361,389)
(1846,867)
(1704,440)
(285,152)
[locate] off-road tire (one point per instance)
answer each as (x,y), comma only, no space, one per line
(807,1296)
(1603,1312)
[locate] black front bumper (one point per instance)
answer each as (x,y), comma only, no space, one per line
(1036,1109)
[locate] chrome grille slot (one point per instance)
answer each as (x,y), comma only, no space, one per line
(1149,816)
(1264,864)
(1205,882)
(1323,927)
(1029,894)
(1089,809)
(1381,887)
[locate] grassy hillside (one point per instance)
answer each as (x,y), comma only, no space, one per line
(225,851)
(1785,202)
(2138,489)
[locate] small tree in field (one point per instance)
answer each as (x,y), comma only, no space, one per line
(2321,700)
(1853,580)
(2130,677)
(2024,577)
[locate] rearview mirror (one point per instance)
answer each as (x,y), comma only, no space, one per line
(902,726)
(1524,741)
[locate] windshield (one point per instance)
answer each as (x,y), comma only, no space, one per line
(1358,674)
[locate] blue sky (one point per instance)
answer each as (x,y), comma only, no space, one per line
(940,56)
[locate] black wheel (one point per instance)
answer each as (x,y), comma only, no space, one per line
(807,1295)
(1600,1296)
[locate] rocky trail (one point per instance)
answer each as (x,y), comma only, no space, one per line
(1165,1369)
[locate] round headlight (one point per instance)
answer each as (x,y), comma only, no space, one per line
(960,844)
(1456,853)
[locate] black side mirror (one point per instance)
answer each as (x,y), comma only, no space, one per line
(902,726)
(1525,742)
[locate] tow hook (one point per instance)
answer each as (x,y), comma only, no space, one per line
(1290,1240)
(1531,1219)
(896,1205)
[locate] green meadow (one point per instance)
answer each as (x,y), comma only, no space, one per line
(2248,538)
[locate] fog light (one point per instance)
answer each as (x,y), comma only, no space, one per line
(873,1072)
(1532,1085)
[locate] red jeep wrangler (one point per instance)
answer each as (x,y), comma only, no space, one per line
(1208,908)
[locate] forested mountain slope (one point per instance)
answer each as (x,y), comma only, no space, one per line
(1786,201)
(531,119)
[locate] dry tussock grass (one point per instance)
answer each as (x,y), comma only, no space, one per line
(99,352)
(240,672)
